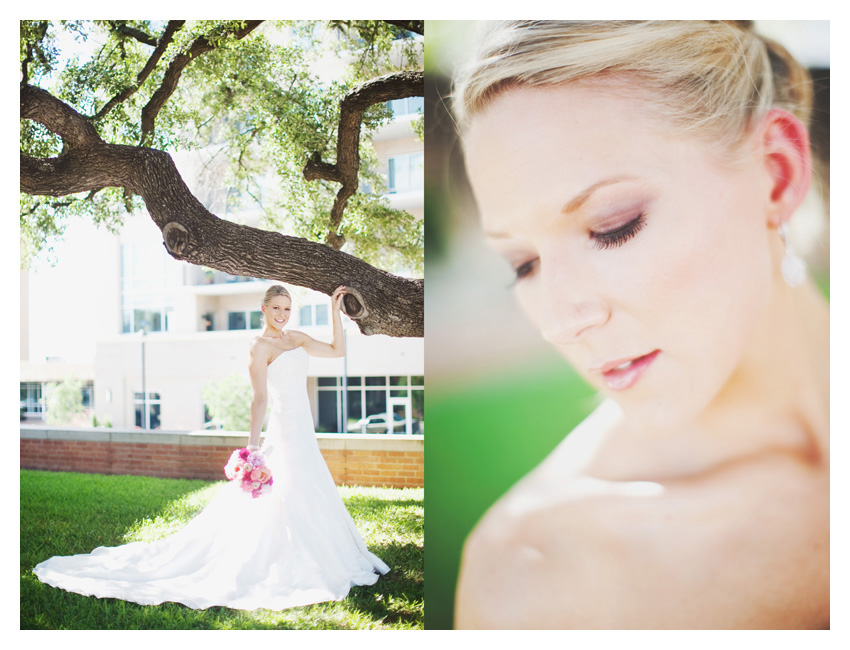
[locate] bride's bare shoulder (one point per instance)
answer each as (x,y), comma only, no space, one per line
(564,550)
(261,347)
(534,533)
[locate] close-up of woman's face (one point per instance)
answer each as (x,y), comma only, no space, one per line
(278,311)
(639,253)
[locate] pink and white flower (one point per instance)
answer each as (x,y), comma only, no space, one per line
(249,471)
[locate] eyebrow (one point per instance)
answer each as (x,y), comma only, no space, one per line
(575,203)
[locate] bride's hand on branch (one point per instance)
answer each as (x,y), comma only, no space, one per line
(336,298)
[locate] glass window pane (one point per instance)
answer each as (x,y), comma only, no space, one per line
(391,182)
(398,381)
(354,381)
(327,381)
(376,381)
(148,320)
(418,404)
(306,315)
(398,393)
(88,395)
(417,380)
(327,412)
(402,173)
(355,406)
(154,416)
(376,402)
(236,320)
(321,314)
(256,320)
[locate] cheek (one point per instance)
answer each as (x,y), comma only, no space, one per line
(712,291)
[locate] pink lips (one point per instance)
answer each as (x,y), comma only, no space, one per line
(624,373)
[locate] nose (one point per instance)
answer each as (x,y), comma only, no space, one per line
(572,304)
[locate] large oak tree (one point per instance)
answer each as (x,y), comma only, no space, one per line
(96,131)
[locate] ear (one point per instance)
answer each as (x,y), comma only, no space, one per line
(788,163)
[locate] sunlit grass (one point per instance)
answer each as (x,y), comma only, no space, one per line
(66,513)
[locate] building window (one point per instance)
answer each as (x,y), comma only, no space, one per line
(240,320)
(377,404)
(406,172)
(313,315)
(88,395)
(31,398)
(407,106)
(147,410)
(148,284)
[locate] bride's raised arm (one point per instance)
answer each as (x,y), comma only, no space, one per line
(335,348)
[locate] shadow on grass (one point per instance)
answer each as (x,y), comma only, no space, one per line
(67,513)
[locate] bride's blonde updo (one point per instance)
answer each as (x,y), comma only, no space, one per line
(274,291)
(711,79)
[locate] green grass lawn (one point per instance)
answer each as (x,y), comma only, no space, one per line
(66,513)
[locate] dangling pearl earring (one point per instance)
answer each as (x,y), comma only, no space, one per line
(793,267)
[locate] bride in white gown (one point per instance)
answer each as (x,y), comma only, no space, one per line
(295,546)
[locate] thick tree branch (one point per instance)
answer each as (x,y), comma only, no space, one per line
(175,69)
(122,27)
(161,45)
(392,86)
(415,26)
(389,304)
(61,119)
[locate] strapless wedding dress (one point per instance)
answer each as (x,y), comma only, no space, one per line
(295,546)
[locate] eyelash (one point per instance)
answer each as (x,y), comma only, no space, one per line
(602,241)
(618,236)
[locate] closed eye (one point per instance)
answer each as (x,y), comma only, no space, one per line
(618,236)
(525,269)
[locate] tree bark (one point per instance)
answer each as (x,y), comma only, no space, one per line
(388,304)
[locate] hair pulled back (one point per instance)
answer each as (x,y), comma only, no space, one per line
(712,79)
(274,291)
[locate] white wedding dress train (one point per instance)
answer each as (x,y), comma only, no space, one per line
(295,546)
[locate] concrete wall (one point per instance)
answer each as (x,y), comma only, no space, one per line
(353,459)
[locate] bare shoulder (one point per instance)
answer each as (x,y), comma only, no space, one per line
(526,564)
(262,349)
(745,547)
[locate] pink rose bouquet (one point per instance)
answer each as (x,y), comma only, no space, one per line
(249,471)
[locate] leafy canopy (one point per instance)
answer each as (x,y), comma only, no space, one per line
(263,104)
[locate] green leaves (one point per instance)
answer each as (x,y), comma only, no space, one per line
(266,103)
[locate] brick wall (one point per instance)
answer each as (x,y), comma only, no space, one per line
(353,459)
